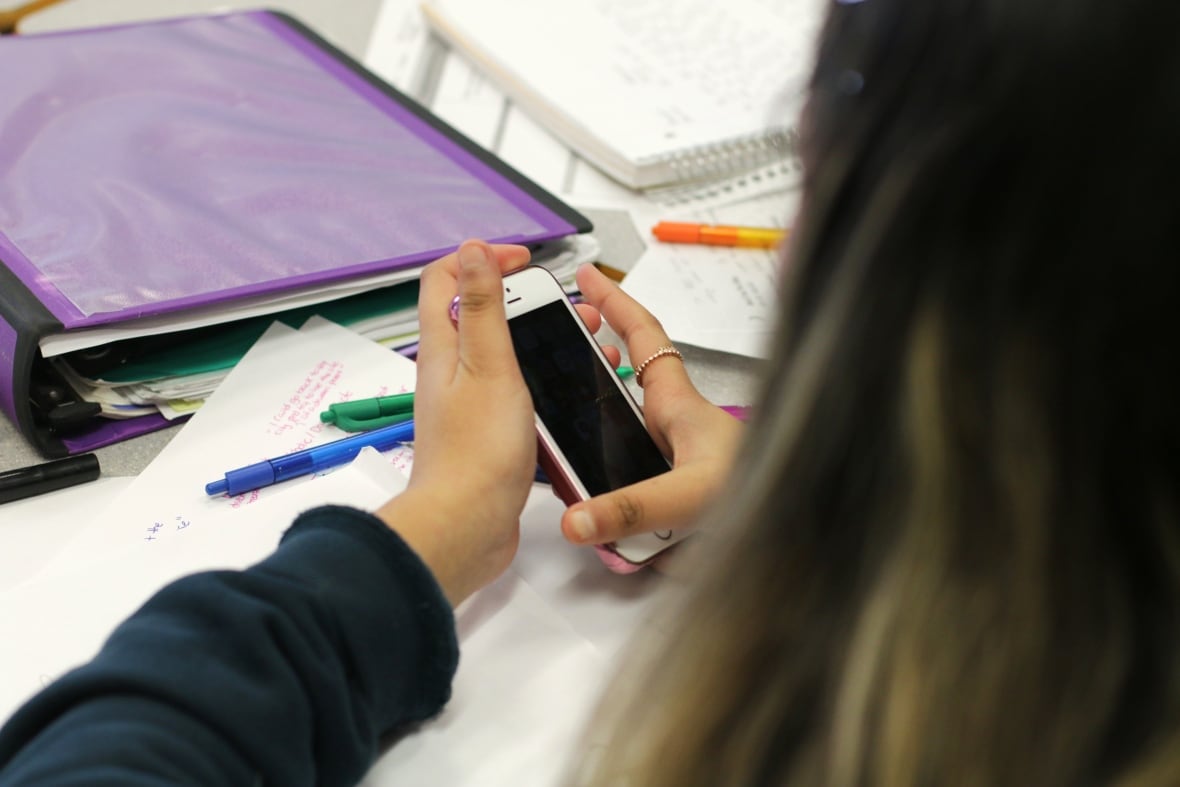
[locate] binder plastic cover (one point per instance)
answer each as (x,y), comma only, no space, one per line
(152,168)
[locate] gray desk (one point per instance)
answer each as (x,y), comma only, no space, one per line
(723,378)
(347,25)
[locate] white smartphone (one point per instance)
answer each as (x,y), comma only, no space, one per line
(590,432)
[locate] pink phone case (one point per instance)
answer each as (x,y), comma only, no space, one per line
(562,488)
(567,494)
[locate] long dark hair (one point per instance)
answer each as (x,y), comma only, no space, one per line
(950,553)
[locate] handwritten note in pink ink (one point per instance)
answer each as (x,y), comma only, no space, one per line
(305,403)
(268,406)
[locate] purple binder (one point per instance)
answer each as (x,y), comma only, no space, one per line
(152,168)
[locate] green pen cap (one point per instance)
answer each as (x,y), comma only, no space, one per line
(363,410)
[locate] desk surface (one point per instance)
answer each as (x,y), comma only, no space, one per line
(725,379)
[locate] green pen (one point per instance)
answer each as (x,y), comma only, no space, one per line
(362,415)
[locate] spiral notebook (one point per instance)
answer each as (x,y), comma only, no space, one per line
(653,92)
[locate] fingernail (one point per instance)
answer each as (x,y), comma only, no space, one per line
(471,255)
(583,525)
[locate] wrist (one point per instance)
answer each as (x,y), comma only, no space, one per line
(459,548)
(418,521)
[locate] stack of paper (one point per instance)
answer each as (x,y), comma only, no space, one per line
(174,373)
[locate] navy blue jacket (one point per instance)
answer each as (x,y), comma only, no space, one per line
(291,672)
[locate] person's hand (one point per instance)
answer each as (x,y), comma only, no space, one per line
(700,438)
(474,435)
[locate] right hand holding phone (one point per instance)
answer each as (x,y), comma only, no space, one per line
(700,438)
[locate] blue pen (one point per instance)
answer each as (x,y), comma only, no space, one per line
(309,460)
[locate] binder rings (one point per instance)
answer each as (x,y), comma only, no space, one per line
(178,168)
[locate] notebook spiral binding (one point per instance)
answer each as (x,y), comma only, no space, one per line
(778,176)
(723,159)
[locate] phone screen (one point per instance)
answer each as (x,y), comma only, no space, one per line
(580,402)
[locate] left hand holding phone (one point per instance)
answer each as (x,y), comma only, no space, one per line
(700,438)
(474,445)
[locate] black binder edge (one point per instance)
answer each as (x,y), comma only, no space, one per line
(29,320)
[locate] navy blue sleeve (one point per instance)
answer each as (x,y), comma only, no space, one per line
(290,672)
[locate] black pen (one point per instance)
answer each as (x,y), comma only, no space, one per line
(39,479)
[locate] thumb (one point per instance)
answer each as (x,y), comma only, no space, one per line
(657,503)
(484,342)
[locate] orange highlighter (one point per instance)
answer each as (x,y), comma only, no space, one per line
(711,235)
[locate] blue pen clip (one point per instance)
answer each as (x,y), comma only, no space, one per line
(311,460)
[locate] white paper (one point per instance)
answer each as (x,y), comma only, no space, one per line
(268,406)
(538,647)
(84,604)
(35,530)
(717,297)
(617,81)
